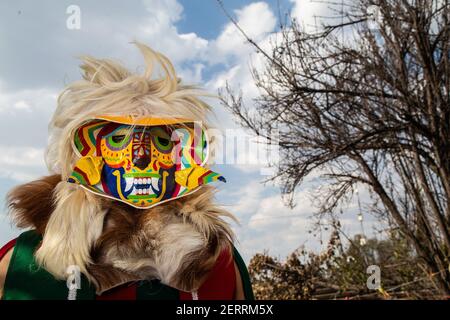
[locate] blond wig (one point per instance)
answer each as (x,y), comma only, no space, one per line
(107,88)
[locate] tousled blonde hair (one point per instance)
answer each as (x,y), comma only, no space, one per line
(107,88)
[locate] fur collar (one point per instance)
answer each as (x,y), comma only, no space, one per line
(177,242)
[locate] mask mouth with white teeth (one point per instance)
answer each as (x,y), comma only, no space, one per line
(141,162)
(142,186)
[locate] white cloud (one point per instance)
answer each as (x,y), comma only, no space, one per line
(272,210)
(160,32)
(220,81)
(310,13)
(192,74)
(37,100)
(266,223)
(255,19)
(230,47)
(245,199)
(24,116)
(21,163)
(22,105)
(41,52)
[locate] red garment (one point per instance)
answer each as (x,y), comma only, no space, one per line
(223,276)
(123,292)
(4,250)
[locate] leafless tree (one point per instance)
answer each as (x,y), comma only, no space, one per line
(366,102)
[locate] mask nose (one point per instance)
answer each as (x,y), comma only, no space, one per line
(141,160)
(142,163)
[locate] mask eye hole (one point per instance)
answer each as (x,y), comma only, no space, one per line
(118,138)
(163,141)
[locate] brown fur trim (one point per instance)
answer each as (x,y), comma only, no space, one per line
(137,244)
(105,277)
(31,204)
(199,210)
(132,240)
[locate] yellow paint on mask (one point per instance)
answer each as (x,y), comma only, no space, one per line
(91,167)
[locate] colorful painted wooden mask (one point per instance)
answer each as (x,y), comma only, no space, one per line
(141,162)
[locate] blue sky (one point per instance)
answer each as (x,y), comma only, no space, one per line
(38,58)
